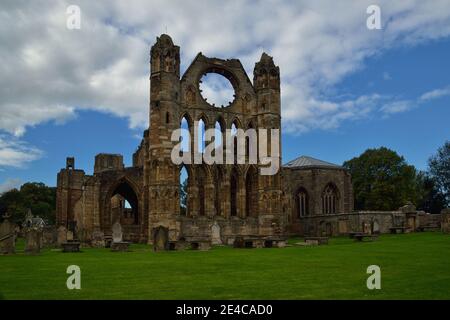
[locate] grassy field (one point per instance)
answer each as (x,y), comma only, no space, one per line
(413,266)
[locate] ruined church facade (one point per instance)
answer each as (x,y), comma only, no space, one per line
(234,199)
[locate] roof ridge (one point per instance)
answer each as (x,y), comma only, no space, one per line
(308,161)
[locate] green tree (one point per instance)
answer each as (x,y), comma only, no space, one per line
(382,180)
(439,168)
(40,198)
(431,199)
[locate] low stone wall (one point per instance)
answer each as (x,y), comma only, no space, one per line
(365,221)
(226,229)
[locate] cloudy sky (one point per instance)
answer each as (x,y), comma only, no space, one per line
(344,87)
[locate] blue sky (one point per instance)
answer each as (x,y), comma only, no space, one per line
(344,88)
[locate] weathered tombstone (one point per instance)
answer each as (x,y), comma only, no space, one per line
(117,238)
(117,232)
(33,241)
(98,239)
(33,227)
(375,227)
(215,234)
(7,236)
(160,238)
(69,235)
(366,228)
(62,235)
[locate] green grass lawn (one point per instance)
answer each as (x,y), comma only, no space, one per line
(413,266)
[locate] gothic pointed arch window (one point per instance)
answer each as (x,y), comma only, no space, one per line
(184,191)
(251,193)
(201,182)
(218,192)
(301,202)
(233,193)
(234,128)
(330,199)
(201,130)
(185,126)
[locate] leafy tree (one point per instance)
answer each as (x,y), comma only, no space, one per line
(431,199)
(40,198)
(439,165)
(382,180)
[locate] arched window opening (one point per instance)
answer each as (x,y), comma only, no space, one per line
(251,193)
(329,200)
(184,191)
(167,117)
(233,193)
(234,128)
(185,136)
(218,133)
(218,198)
(201,182)
(124,205)
(301,199)
(201,136)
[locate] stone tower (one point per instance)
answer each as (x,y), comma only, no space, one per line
(266,81)
(160,174)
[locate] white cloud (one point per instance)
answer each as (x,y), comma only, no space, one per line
(16,153)
(10,184)
(435,94)
(397,106)
(50,72)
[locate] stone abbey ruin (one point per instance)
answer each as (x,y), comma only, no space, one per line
(224,203)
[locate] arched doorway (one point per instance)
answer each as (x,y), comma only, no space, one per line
(122,205)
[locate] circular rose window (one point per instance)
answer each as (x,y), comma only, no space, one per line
(216,90)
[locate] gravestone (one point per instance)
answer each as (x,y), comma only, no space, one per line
(98,239)
(375,227)
(117,238)
(62,235)
(215,234)
(33,228)
(117,232)
(33,239)
(160,238)
(366,228)
(69,235)
(7,236)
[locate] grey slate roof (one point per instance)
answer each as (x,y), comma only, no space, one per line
(308,162)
